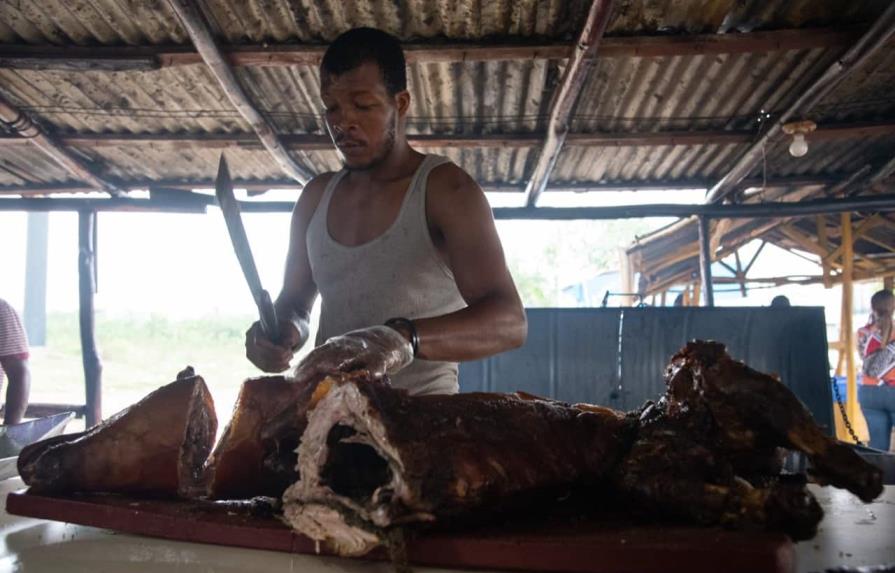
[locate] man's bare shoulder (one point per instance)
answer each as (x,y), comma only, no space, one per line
(449,179)
(311,194)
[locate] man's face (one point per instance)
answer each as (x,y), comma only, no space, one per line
(361,116)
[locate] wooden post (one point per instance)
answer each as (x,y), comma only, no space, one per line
(93,368)
(889,282)
(694,300)
(851,402)
(705,260)
(852,409)
(662,297)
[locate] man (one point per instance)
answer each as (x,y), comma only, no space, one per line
(396,237)
(14,363)
(876,343)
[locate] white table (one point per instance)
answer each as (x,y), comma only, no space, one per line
(851,534)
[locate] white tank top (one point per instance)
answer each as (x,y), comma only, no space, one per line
(397,274)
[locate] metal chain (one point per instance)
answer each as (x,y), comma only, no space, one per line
(845,419)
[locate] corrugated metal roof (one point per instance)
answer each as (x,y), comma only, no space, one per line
(723,16)
(22,165)
(621,94)
(185,99)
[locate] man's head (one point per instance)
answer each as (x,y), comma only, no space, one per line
(363,82)
(882,303)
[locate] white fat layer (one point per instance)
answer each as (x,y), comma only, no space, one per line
(326,525)
(345,405)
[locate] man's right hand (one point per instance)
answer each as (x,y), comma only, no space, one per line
(268,356)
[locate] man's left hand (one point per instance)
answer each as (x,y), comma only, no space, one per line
(379,349)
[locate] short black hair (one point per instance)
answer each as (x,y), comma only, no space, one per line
(780,301)
(879,297)
(361,45)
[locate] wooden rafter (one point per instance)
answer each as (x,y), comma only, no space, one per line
(198,31)
(32,134)
(119,58)
(866,225)
(319,142)
(874,39)
(565,96)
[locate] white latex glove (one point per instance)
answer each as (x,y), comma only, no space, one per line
(379,349)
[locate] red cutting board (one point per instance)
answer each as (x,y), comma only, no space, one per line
(583,547)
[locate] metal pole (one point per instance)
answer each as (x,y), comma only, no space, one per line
(93,368)
(705,261)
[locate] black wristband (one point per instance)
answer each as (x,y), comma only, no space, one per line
(399,323)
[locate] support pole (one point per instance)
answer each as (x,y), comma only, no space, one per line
(93,368)
(852,408)
(889,282)
(627,278)
(741,276)
(705,261)
(35,314)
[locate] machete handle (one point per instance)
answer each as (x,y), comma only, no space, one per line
(269,323)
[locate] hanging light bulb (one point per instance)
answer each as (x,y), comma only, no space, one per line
(799,145)
(797,129)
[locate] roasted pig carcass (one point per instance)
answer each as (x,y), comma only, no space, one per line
(244,464)
(373,457)
(710,450)
(158,446)
(257,453)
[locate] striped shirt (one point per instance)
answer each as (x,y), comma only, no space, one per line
(879,358)
(13,341)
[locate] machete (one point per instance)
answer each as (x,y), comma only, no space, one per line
(223,190)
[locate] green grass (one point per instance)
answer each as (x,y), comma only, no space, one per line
(140,354)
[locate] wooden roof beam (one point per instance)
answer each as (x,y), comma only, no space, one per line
(877,36)
(319,142)
(196,27)
(136,58)
(565,96)
(32,134)
(35,189)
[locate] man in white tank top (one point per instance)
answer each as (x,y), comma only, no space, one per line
(396,238)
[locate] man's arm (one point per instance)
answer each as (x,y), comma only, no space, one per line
(298,293)
(494,320)
(19,385)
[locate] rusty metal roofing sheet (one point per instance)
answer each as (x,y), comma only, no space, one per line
(23,165)
(182,99)
(119,22)
(721,16)
(721,91)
